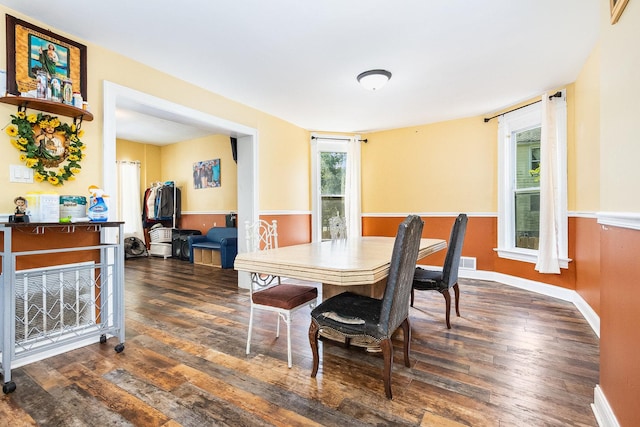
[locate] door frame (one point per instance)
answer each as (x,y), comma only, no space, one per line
(120,96)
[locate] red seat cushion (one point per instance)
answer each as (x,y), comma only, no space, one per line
(285,296)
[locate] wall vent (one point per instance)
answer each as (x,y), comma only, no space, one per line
(468,263)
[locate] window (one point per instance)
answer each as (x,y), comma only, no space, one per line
(526,188)
(333,175)
(336,184)
(519,198)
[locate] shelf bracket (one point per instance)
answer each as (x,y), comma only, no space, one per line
(95,228)
(38,229)
(68,229)
(77,121)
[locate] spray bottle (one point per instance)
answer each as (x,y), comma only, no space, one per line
(98,209)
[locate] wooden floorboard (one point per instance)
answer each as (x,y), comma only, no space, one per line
(514,358)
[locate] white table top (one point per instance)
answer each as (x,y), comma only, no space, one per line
(359,261)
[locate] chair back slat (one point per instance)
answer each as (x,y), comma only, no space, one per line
(395,303)
(452,259)
(261,235)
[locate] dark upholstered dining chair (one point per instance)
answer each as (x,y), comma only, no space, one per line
(267,292)
(443,280)
(348,315)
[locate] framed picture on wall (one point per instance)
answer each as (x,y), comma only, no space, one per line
(617,7)
(206,174)
(33,51)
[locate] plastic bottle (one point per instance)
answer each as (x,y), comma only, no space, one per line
(98,210)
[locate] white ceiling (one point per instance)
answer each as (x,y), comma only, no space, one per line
(298,60)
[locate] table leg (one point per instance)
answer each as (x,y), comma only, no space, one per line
(376,290)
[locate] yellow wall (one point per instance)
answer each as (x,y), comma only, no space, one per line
(452,166)
(149,157)
(619,178)
(284,167)
(441,167)
(275,135)
(177,165)
(620,92)
(584,150)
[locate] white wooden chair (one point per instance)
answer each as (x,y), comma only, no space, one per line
(267,292)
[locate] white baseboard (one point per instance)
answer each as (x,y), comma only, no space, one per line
(589,314)
(541,288)
(601,409)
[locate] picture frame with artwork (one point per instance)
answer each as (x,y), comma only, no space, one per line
(206,174)
(32,50)
(617,7)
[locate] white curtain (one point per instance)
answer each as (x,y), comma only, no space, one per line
(352,210)
(548,250)
(129,209)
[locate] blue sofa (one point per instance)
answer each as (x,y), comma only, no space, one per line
(222,239)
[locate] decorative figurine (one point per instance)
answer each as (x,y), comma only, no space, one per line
(21,210)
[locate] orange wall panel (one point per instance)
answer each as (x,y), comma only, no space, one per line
(479,239)
(587,260)
(620,317)
(480,242)
(381,226)
(292,229)
(202,222)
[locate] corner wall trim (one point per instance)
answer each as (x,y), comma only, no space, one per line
(619,219)
(601,409)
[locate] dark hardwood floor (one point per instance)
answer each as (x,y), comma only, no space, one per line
(514,358)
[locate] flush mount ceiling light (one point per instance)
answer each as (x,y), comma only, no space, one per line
(374,79)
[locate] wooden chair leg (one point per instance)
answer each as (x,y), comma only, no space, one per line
(387,354)
(447,299)
(406,328)
(456,290)
(313,340)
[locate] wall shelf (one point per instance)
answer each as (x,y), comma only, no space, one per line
(49,106)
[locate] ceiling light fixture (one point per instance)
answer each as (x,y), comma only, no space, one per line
(374,79)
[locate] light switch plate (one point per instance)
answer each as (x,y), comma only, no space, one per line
(18,173)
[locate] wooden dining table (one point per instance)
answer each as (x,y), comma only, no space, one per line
(360,265)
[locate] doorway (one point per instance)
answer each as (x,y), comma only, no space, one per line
(116,96)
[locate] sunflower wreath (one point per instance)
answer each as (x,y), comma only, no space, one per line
(45,144)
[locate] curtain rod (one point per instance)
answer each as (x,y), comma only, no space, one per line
(132,162)
(337,139)
(555,95)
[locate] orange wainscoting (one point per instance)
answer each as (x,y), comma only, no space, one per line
(619,331)
(620,320)
(587,259)
(202,222)
(480,242)
(479,239)
(292,229)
